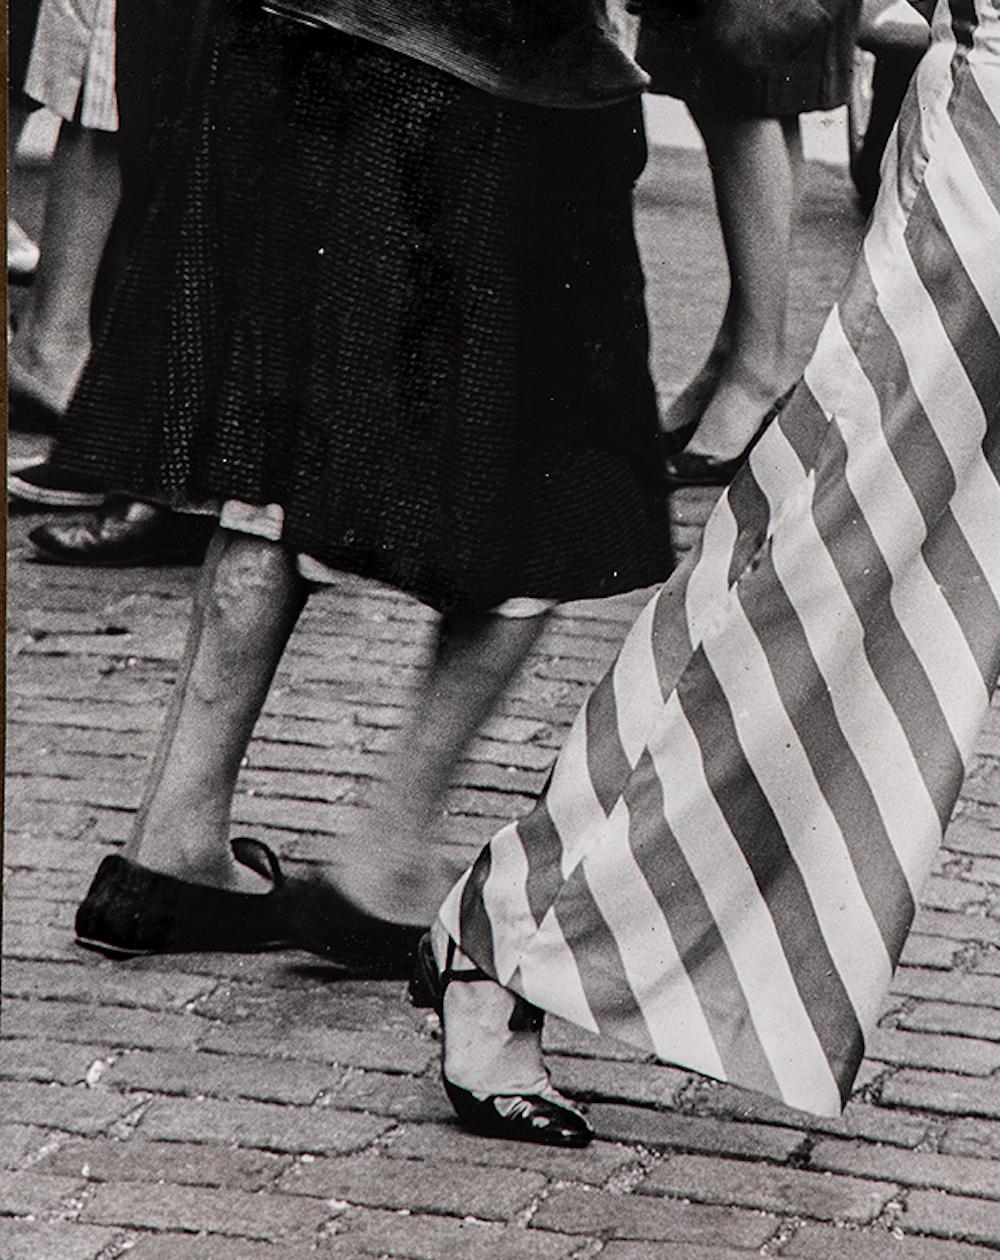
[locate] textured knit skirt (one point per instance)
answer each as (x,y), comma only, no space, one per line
(726,862)
(679,57)
(407,313)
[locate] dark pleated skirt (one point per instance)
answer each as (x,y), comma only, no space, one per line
(678,55)
(408,312)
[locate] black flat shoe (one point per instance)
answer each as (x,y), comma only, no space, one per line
(324,922)
(127,534)
(512,1117)
(131,910)
(687,468)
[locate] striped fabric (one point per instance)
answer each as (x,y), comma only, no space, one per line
(726,860)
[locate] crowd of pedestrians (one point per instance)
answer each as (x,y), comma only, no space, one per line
(360,293)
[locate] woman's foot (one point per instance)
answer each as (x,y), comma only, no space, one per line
(741,410)
(125,533)
(688,468)
(493,1070)
(684,414)
(201,855)
(132,909)
(733,417)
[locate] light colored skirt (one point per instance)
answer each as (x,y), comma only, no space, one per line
(72,66)
(726,862)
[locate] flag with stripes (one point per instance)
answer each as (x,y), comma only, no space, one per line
(726,860)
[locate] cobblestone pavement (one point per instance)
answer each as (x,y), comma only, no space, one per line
(243,1108)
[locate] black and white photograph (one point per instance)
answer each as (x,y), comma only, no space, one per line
(502,589)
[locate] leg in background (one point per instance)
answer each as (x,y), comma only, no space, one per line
(53,340)
(688,407)
(756,165)
(22,252)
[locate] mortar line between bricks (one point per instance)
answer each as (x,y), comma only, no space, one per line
(894,1210)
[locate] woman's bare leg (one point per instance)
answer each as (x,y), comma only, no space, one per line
(248,599)
(755,168)
(475,659)
(53,334)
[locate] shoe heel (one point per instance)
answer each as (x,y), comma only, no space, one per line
(425,989)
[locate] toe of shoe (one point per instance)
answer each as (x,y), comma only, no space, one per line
(72,542)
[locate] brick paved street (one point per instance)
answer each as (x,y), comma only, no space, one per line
(251,1108)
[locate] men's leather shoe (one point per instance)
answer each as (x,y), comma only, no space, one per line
(126,534)
(131,910)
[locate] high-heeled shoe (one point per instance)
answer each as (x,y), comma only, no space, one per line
(688,468)
(672,441)
(515,1117)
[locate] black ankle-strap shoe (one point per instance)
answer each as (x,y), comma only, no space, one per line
(519,1117)
(547,1120)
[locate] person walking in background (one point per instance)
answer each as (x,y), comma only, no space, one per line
(385,316)
(726,862)
(749,121)
(892,37)
(71,71)
(154,43)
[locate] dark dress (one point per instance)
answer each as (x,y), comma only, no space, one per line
(22,18)
(408,312)
(676,52)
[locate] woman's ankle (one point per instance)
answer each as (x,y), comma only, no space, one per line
(193,860)
(482,1053)
(734,415)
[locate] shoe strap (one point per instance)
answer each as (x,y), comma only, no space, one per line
(460,973)
(525,1017)
(466,973)
(259,858)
